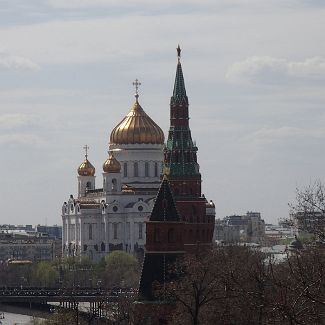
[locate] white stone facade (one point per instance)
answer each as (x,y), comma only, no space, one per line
(100,220)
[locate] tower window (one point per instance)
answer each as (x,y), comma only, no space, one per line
(90,234)
(125,169)
(114,185)
(88,185)
(115,230)
(146,169)
(136,169)
(156,169)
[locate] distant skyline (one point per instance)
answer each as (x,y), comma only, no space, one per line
(254,73)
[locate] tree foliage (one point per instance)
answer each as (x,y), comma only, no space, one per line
(45,275)
(122,269)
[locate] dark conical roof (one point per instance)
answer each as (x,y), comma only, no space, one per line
(179,93)
(164,208)
(179,85)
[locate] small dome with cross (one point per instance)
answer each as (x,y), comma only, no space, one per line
(86,168)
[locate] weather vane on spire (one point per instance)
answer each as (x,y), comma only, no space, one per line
(86,147)
(178,52)
(136,83)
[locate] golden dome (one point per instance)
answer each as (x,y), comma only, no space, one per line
(137,127)
(86,168)
(111,165)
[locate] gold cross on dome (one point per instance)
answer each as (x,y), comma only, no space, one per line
(86,147)
(136,83)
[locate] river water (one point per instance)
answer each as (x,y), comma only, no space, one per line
(15,319)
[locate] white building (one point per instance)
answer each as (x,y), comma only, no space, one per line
(112,216)
(247,228)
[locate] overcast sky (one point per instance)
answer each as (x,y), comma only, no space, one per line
(254,72)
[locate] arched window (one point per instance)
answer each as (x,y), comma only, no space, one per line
(156,169)
(104,184)
(193,210)
(171,235)
(125,169)
(136,169)
(115,230)
(88,185)
(90,232)
(102,247)
(146,169)
(114,185)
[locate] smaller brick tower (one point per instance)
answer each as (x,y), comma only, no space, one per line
(164,245)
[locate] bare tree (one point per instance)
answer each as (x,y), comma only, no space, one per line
(225,285)
(299,288)
(308,212)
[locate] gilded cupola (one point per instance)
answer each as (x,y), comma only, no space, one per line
(137,127)
(111,165)
(86,168)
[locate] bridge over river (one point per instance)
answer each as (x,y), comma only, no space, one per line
(98,298)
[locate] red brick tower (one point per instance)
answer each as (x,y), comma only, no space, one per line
(164,245)
(180,160)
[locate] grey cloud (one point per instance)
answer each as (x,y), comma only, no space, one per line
(270,135)
(15,121)
(270,70)
(14,62)
(23,139)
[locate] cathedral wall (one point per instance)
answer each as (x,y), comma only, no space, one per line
(139,162)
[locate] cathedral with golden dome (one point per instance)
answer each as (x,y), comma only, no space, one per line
(112,215)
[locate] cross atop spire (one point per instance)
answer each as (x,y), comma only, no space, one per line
(86,147)
(136,83)
(178,52)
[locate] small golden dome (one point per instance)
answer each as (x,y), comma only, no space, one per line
(86,168)
(111,165)
(137,127)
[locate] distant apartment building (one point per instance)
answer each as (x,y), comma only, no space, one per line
(28,243)
(275,234)
(226,233)
(248,228)
(52,231)
(24,247)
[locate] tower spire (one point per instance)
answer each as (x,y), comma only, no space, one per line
(179,93)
